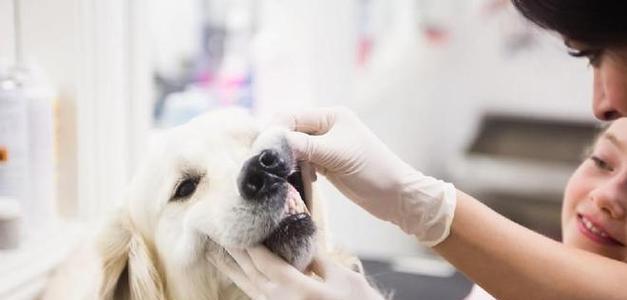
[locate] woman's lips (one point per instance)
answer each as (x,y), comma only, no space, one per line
(595,232)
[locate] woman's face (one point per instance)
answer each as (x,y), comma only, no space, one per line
(609,100)
(595,200)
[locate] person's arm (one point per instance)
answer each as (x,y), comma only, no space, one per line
(512,262)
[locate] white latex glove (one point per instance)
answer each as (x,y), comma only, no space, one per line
(268,277)
(343,149)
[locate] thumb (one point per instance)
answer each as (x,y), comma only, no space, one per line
(314,121)
(327,268)
(307,147)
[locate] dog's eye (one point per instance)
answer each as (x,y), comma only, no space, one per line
(186,188)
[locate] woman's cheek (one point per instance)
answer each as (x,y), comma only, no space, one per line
(574,193)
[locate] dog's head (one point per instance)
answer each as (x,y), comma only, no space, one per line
(215,182)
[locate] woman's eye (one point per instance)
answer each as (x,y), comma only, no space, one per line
(593,55)
(186,188)
(600,163)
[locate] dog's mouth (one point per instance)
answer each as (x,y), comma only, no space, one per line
(295,230)
(276,190)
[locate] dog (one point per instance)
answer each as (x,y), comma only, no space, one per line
(217,181)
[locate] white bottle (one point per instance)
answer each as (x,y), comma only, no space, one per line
(14,153)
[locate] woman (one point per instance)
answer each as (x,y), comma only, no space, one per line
(507,260)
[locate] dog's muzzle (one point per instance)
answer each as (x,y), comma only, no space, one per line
(269,181)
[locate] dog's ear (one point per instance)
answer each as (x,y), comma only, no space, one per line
(128,265)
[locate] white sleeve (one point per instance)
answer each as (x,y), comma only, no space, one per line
(477,293)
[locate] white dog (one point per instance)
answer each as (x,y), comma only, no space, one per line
(214,182)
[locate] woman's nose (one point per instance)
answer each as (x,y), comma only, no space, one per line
(609,93)
(611,197)
(605,111)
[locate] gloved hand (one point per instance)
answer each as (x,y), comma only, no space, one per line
(263,275)
(343,149)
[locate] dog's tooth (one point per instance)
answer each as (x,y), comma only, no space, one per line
(295,204)
(300,207)
(287,205)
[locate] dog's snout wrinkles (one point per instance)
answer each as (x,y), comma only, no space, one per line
(260,174)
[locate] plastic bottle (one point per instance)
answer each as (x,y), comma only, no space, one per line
(14,153)
(27,145)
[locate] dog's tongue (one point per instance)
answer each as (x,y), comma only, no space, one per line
(294,204)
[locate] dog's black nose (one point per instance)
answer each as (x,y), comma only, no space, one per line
(261,174)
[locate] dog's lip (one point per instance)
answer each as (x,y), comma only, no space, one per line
(285,227)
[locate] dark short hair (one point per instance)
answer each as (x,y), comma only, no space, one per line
(600,23)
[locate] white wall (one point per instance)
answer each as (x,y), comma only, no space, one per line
(303,54)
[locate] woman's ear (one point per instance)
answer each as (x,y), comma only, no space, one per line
(128,266)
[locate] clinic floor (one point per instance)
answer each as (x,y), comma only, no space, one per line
(406,286)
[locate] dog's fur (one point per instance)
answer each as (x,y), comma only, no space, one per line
(160,246)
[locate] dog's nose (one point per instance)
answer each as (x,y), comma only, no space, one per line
(261,173)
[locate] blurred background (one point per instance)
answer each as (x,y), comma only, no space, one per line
(466,91)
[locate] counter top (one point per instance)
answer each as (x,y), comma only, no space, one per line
(406,286)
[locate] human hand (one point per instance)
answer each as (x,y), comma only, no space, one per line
(343,149)
(263,275)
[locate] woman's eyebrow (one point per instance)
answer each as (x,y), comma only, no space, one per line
(571,44)
(576,45)
(614,140)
